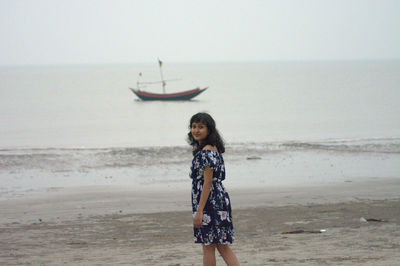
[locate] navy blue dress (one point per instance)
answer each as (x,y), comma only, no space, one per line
(217,227)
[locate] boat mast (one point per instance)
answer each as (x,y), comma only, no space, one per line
(162,78)
(138,81)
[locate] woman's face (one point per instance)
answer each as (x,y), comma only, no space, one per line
(199,131)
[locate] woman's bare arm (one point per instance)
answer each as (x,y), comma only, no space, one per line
(208,175)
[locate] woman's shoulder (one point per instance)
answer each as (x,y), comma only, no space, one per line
(210,148)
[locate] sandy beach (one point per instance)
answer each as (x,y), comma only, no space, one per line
(118,225)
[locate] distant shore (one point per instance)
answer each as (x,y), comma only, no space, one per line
(108,225)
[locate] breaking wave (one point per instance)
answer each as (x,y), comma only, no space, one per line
(65,159)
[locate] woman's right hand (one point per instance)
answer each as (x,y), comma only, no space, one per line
(198,220)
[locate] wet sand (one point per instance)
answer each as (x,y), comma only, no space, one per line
(113,225)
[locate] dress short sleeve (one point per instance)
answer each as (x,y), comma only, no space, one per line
(208,158)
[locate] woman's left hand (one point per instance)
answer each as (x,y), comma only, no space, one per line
(198,219)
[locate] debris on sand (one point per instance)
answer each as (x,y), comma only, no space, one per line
(363,220)
(253,158)
(304,231)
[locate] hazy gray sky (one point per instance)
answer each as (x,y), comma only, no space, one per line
(117,31)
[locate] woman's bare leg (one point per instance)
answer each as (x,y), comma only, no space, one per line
(209,255)
(228,255)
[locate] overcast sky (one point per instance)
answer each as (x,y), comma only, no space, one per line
(116,31)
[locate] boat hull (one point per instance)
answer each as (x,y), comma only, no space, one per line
(179,96)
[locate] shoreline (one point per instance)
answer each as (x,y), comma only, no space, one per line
(112,225)
(68,203)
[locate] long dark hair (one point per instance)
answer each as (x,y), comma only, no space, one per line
(213,138)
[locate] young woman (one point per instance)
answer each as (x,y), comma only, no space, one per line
(211,206)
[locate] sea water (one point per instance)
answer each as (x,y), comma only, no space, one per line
(283,122)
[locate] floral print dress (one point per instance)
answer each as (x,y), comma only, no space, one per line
(217,227)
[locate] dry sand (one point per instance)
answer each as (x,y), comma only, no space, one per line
(110,225)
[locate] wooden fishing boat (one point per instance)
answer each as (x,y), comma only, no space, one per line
(178,96)
(151,96)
